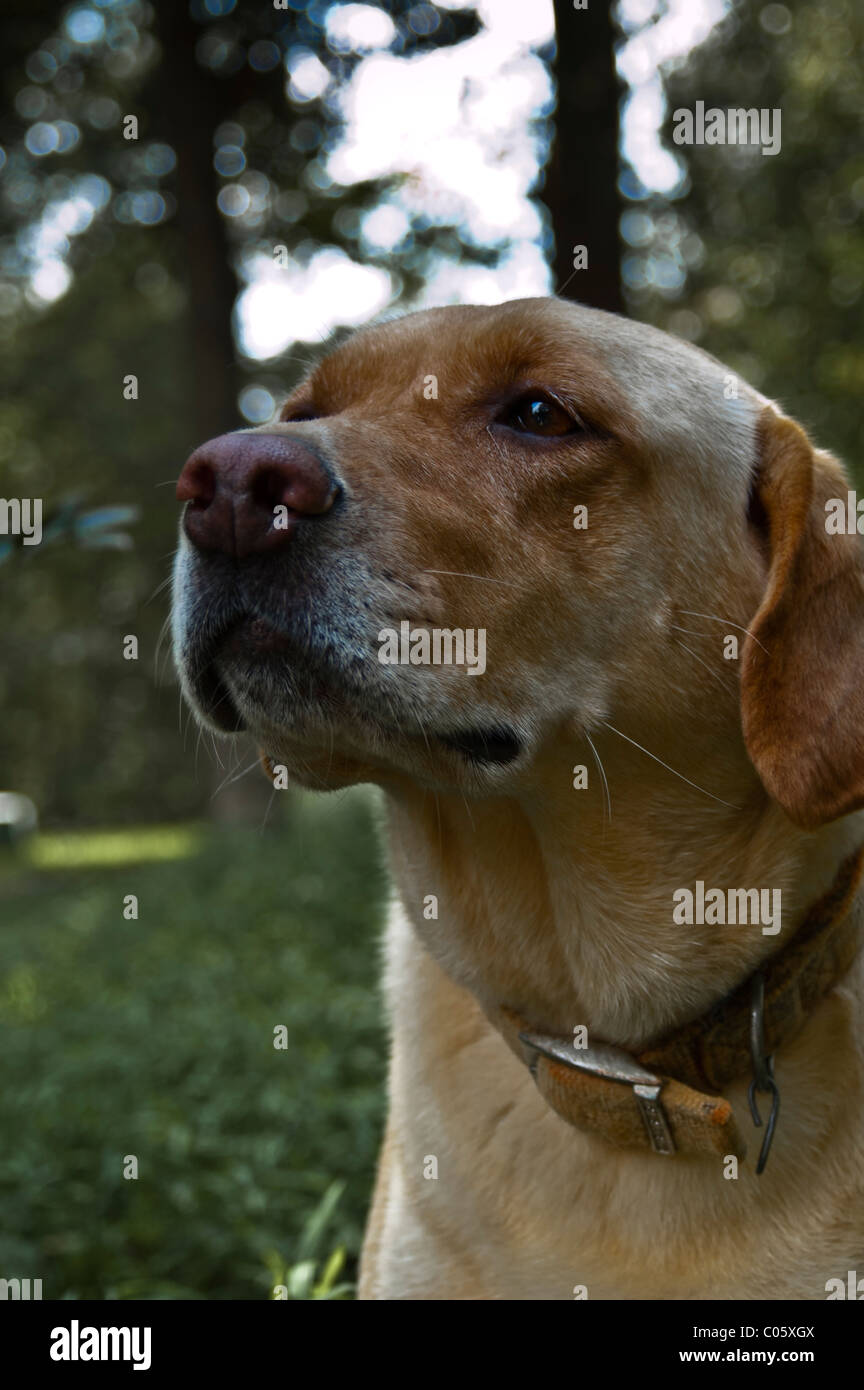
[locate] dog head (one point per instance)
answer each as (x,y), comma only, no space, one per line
(476,535)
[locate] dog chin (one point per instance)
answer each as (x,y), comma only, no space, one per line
(318,771)
(344,753)
(327,746)
(324,751)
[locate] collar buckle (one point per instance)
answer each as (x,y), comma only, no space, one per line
(613,1064)
(763,1069)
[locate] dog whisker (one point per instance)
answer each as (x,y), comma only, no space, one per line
(163,651)
(598,761)
(673,770)
(713,618)
(403,585)
(690,630)
(160,588)
(266,816)
(234,776)
(485,578)
(712,673)
(499,451)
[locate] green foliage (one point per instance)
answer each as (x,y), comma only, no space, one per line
(772,246)
(303,1279)
(155,1038)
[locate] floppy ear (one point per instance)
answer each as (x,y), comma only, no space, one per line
(802,681)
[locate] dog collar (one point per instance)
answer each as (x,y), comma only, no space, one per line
(665,1100)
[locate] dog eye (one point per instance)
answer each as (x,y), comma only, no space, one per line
(537,413)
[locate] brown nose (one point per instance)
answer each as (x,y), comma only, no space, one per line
(247,492)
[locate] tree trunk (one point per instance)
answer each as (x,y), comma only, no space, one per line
(192,102)
(581,190)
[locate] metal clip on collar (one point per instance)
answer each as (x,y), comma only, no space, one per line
(763,1069)
(612,1064)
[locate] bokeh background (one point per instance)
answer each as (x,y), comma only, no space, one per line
(297,169)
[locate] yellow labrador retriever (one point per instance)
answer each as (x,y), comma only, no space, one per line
(589,609)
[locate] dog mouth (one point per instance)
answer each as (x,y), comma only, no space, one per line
(214,700)
(497,746)
(245,637)
(253,646)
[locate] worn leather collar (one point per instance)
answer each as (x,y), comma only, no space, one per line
(665,1100)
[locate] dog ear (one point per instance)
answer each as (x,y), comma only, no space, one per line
(802,682)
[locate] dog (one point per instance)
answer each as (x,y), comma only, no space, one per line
(595,1091)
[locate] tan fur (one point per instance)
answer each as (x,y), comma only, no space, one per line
(546,902)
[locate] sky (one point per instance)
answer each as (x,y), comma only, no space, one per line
(457,122)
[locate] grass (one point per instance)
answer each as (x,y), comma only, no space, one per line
(113,848)
(150,1042)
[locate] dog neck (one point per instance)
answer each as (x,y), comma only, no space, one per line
(551,905)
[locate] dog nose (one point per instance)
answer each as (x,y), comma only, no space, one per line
(247,492)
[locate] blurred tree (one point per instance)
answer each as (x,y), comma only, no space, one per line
(96,529)
(761,257)
(581,189)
